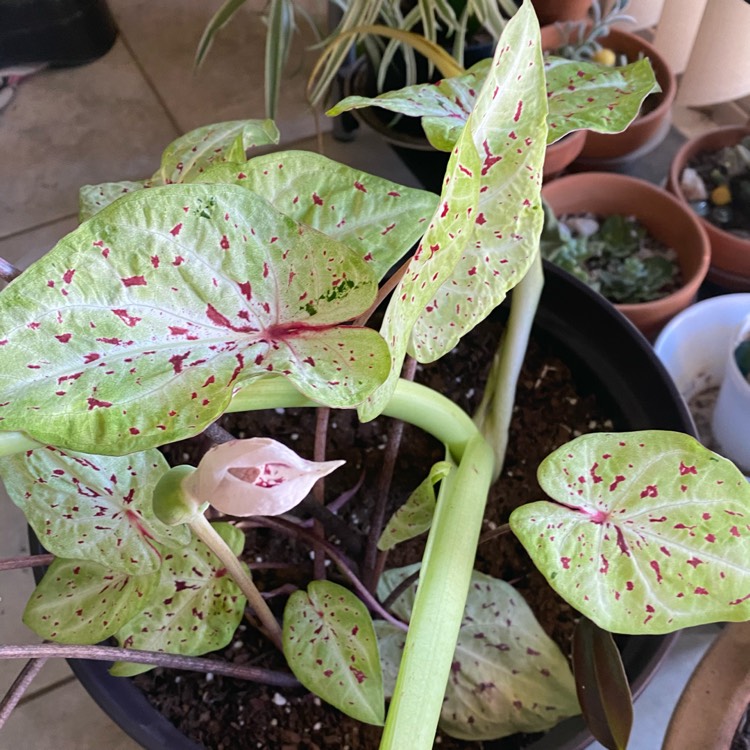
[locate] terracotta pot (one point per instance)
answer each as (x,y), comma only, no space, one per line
(730,254)
(717,695)
(646,131)
(550,11)
(666,219)
(562,153)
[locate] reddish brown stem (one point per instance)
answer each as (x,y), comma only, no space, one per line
(494,533)
(158,659)
(319,454)
(8,271)
(18,688)
(388,286)
(27,561)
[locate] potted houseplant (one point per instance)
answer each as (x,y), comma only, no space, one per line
(178,302)
(662,220)
(598,40)
(730,251)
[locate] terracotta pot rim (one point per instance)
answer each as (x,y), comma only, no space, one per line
(689,286)
(680,160)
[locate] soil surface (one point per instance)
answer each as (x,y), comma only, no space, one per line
(226,714)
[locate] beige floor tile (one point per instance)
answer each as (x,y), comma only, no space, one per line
(72,126)
(64,719)
(24,248)
(164,36)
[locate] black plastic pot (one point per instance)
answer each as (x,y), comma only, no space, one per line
(56,32)
(610,357)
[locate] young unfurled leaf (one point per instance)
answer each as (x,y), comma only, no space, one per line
(195,606)
(507,676)
(95,508)
(330,645)
(255,477)
(414,517)
(82,602)
(602,685)
(377,218)
(134,330)
(185,160)
(647,531)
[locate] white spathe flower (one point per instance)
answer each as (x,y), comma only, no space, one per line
(254,477)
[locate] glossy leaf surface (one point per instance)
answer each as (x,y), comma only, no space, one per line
(195,606)
(377,218)
(95,508)
(507,675)
(647,531)
(82,602)
(136,327)
(414,517)
(330,645)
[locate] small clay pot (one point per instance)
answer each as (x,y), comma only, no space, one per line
(730,254)
(665,218)
(551,11)
(646,131)
(562,153)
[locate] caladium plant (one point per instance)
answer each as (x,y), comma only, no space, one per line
(227,283)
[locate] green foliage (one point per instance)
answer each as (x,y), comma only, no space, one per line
(644,532)
(619,259)
(330,644)
(507,674)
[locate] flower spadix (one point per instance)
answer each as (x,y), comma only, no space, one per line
(254,477)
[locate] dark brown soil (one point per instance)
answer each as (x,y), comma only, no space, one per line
(223,713)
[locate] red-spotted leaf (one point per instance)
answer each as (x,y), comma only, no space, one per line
(81,602)
(377,218)
(330,645)
(414,517)
(195,606)
(584,95)
(187,157)
(507,675)
(647,531)
(95,508)
(93,198)
(134,330)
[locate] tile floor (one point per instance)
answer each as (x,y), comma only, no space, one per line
(109,120)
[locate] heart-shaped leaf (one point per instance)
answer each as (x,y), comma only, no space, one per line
(647,532)
(82,602)
(188,156)
(507,675)
(185,160)
(330,645)
(377,218)
(414,517)
(95,508)
(134,330)
(194,608)
(583,95)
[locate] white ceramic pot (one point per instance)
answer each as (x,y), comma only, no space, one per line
(697,349)
(731,419)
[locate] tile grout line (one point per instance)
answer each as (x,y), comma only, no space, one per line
(42,225)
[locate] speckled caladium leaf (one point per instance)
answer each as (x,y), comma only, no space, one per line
(595,97)
(330,645)
(444,106)
(195,606)
(647,531)
(377,218)
(93,198)
(185,160)
(95,508)
(187,157)
(580,95)
(135,328)
(507,676)
(414,517)
(79,601)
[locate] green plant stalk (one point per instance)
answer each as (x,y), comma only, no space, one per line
(15,442)
(206,533)
(448,559)
(496,409)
